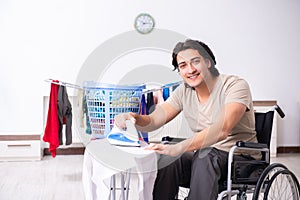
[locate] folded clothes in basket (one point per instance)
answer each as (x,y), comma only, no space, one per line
(123,138)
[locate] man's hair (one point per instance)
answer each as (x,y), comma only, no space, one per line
(203,50)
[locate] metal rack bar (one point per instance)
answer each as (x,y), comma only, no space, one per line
(81,88)
(63,83)
(162,87)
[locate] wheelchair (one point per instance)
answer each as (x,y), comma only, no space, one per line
(257,177)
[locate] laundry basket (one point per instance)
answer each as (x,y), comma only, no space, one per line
(105,101)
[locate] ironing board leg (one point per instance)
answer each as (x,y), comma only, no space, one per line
(122,187)
(125,181)
(128,173)
(113,187)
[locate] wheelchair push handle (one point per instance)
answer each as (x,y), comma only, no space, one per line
(279,111)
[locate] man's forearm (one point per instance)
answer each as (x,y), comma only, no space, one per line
(203,139)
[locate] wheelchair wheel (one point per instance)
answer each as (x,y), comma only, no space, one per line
(265,180)
(283,185)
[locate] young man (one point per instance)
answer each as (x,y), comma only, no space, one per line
(218,109)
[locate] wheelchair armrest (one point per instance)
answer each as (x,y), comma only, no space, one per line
(171,140)
(251,145)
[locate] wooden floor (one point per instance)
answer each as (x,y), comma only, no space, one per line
(60,178)
(50,179)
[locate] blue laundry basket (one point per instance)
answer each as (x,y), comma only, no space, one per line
(105,101)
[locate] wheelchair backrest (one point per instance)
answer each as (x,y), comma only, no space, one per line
(263,127)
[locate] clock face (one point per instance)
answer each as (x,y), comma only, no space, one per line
(144,23)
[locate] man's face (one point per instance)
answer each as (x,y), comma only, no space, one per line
(193,68)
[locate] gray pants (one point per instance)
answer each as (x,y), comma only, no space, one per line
(201,171)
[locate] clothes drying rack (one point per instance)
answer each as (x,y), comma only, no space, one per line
(145,91)
(57,82)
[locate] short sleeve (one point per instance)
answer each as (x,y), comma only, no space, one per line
(175,98)
(238,91)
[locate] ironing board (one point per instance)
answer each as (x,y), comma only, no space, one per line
(103,161)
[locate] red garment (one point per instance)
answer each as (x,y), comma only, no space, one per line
(52,126)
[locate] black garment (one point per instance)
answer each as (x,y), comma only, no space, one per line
(150,102)
(201,171)
(64,115)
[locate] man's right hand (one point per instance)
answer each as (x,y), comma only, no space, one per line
(120,119)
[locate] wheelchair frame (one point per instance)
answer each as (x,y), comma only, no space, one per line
(269,175)
(266,179)
(240,146)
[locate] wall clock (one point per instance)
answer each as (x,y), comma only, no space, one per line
(144,23)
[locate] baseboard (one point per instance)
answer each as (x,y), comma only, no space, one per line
(292,149)
(67,151)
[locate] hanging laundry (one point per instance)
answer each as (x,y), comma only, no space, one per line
(144,111)
(64,115)
(143,106)
(158,95)
(166,93)
(150,102)
(52,125)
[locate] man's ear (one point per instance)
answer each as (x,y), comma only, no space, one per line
(208,63)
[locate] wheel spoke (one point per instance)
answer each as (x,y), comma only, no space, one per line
(278,183)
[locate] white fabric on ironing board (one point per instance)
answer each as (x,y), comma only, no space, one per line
(103,160)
